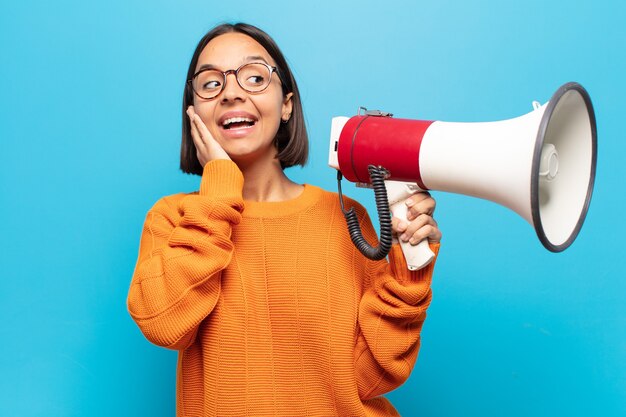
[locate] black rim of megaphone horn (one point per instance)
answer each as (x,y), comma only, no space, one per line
(543,127)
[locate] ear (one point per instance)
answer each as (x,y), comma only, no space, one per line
(287,107)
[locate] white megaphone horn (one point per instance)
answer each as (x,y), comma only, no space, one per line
(540,165)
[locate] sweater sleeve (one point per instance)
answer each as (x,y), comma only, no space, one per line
(391,314)
(185,244)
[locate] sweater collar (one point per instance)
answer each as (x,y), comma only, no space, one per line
(307,198)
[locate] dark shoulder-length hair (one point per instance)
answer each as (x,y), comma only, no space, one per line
(291,139)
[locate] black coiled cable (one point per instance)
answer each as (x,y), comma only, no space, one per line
(377,178)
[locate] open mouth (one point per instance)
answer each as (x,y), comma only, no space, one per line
(238,123)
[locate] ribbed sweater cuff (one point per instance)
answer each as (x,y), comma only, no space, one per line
(396,258)
(221,178)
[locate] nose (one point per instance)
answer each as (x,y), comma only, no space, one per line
(232,90)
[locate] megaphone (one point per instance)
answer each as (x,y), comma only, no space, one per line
(540,165)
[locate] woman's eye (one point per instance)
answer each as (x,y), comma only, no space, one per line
(256,79)
(211,85)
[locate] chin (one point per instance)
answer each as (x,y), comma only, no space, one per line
(246,156)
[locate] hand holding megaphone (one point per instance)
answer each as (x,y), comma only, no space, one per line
(540,165)
(417,256)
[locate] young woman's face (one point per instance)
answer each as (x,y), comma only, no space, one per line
(243,123)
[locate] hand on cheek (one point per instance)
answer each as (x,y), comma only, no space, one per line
(207,148)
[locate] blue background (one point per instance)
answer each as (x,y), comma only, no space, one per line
(90,127)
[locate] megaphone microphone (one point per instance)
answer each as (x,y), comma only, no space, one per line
(540,165)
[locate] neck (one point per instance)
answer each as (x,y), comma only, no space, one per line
(266,181)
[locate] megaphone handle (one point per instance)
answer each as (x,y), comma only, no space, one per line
(417,256)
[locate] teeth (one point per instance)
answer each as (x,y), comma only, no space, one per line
(236,120)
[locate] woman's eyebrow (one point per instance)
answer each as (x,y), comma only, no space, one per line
(255,58)
(247,59)
(205,66)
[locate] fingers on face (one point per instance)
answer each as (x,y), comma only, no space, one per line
(205,135)
(199,132)
(195,134)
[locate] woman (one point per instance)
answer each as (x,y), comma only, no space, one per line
(254,279)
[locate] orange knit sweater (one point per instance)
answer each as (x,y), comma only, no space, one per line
(272,309)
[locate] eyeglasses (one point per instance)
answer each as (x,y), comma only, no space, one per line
(253,77)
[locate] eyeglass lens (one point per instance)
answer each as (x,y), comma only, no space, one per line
(251,77)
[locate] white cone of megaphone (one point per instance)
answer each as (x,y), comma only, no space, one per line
(540,165)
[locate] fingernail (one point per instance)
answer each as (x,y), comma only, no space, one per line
(404,237)
(409,202)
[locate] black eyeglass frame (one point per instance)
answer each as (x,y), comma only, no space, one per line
(270,68)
